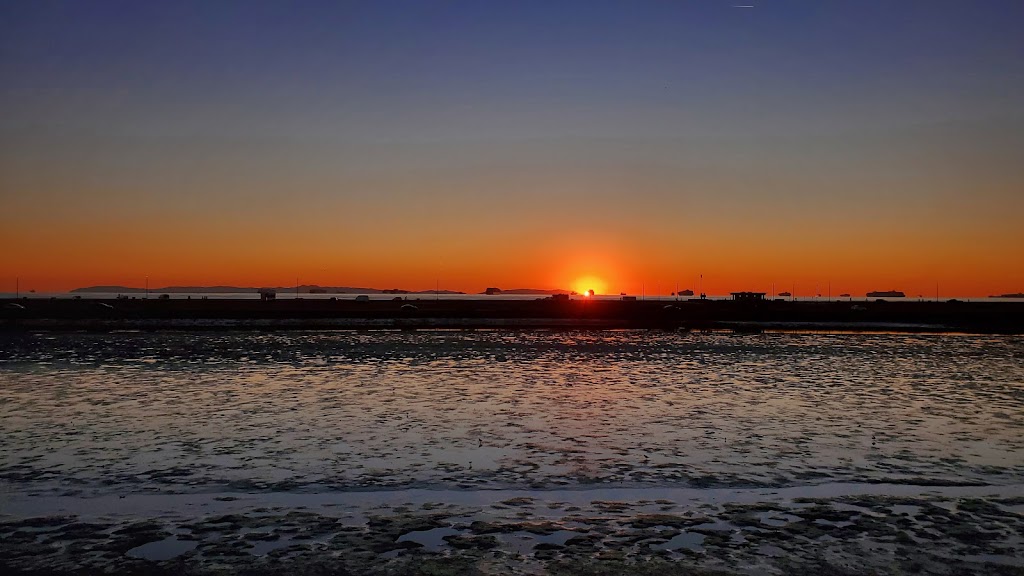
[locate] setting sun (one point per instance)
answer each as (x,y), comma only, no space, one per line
(589,285)
(511,287)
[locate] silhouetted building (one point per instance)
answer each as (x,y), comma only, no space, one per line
(886,294)
(266,294)
(748,296)
(492,291)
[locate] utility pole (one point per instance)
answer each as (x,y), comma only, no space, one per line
(437,289)
(17,287)
(296,287)
(147,287)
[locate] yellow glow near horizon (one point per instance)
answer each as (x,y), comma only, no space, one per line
(582,285)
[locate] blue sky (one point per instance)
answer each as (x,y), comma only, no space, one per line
(661,113)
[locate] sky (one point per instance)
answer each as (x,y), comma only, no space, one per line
(622,146)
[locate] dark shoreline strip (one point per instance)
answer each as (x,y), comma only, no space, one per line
(319,314)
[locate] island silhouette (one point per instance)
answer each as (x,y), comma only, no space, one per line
(302,289)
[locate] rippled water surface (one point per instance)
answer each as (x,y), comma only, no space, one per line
(190,412)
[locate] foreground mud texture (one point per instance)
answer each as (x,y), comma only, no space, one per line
(865,534)
(511,452)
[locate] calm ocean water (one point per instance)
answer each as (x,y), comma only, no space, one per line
(183,412)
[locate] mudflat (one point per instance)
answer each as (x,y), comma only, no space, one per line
(511,452)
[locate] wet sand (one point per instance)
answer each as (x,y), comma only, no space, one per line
(836,529)
(501,452)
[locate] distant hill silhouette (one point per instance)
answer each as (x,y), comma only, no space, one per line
(303,289)
(1016,295)
(529,291)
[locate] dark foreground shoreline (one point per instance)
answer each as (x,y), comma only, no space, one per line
(341,314)
(841,530)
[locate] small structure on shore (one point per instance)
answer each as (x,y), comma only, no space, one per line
(886,294)
(748,296)
(492,291)
(268,294)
